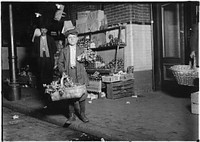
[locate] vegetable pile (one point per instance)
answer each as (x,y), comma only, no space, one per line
(58,86)
(111,65)
(88,56)
(84,43)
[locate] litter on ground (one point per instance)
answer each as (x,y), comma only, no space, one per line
(15,116)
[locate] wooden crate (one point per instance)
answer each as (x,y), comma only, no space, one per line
(195,103)
(120,89)
(94,86)
(110,78)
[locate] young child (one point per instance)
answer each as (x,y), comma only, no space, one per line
(68,63)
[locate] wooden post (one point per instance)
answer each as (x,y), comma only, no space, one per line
(118,44)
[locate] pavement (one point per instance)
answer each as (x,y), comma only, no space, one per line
(148,116)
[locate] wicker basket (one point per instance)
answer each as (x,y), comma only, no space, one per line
(68,92)
(184,74)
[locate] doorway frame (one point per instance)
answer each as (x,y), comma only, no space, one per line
(158,43)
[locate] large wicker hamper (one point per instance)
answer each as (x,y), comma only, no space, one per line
(184,75)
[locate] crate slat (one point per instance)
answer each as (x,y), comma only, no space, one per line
(123,87)
(115,92)
(126,82)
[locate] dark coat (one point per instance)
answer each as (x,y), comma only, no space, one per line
(51,45)
(64,64)
(45,65)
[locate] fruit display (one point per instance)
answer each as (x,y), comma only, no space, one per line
(100,59)
(88,56)
(95,76)
(92,60)
(113,42)
(87,43)
(111,65)
(84,43)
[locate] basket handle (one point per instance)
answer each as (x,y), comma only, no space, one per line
(62,79)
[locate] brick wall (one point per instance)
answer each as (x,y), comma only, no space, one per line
(141,13)
(126,12)
(116,12)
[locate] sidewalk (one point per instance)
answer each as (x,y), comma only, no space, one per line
(152,116)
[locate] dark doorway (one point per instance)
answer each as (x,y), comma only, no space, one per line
(171,33)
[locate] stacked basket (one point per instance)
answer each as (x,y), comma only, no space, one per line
(184,74)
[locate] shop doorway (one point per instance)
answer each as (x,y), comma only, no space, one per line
(171,41)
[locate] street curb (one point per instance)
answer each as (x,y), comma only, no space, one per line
(90,128)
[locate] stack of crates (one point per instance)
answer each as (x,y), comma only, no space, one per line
(120,89)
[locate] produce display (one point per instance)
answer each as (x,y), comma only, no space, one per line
(87,43)
(92,60)
(100,59)
(111,65)
(88,56)
(26,77)
(84,43)
(113,42)
(95,76)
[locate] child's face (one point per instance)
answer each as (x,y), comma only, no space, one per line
(72,39)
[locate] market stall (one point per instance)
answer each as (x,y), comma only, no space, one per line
(103,76)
